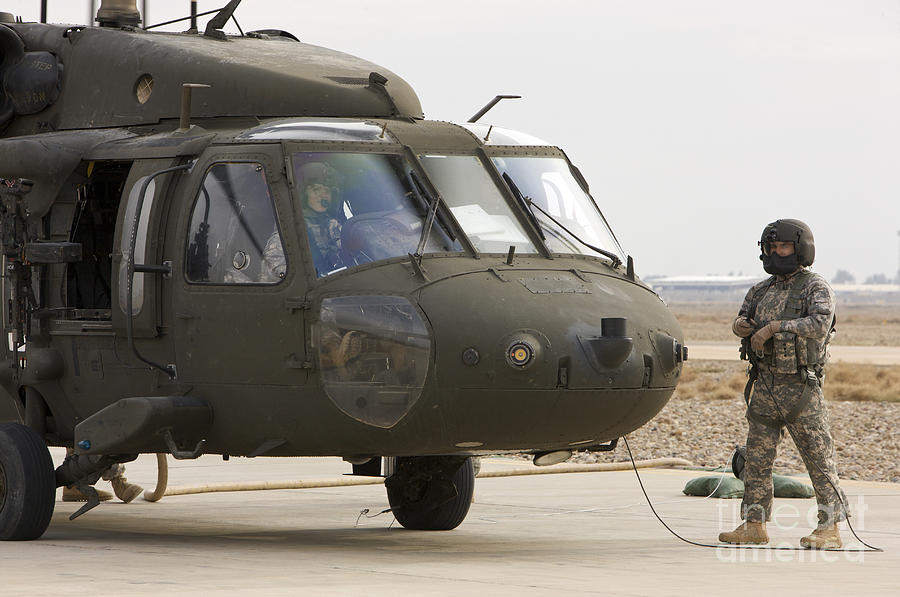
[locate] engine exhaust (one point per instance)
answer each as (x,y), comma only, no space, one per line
(118,13)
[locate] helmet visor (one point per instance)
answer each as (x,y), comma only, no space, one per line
(770,246)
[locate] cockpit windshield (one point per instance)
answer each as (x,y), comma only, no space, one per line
(363,207)
(476,203)
(549,183)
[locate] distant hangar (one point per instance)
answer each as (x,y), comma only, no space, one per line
(731,289)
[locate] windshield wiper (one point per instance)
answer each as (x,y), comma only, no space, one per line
(524,203)
(616,261)
(431,205)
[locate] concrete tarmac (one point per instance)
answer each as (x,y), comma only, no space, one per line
(573,534)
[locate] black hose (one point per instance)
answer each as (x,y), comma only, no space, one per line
(730,545)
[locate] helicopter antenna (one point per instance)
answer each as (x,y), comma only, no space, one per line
(491,104)
(43,11)
(214,27)
(192,18)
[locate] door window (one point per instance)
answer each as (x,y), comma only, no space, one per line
(234,236)
(140,245)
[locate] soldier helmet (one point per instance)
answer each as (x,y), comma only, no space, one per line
(317,173)
(793,231)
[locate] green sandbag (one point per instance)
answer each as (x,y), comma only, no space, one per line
(789,487)
(732,487)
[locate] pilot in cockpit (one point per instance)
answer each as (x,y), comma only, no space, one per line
(319,189)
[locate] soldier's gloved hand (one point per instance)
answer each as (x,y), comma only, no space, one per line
(767,331)
(742,327)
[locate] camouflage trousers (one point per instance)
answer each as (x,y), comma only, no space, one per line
(773,398)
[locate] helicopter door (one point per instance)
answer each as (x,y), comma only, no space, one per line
(145,289)
(230,307)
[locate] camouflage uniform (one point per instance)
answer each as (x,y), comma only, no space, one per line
(274,265)
(808,422)
(324,232)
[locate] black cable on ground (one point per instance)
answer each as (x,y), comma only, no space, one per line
(731,545)
(824,474)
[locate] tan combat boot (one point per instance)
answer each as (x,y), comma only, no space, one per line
(73,494)
(124,490)
(749,532)
(823,538)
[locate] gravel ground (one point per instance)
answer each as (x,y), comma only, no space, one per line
(704,431)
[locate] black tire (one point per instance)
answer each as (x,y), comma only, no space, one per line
(417,509)
(27,483)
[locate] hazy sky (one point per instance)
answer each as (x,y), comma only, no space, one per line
(695,122)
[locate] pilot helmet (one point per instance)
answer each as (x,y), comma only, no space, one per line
(793,231)
(317,173)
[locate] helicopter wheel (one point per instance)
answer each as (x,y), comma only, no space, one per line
(430,493)
(27,483)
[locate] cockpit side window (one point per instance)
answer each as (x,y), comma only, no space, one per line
(363,207)
(568,217)
(234,237)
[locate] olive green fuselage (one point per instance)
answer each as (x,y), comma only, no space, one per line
(263,393)
(450,344)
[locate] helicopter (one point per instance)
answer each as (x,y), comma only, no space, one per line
(249,246)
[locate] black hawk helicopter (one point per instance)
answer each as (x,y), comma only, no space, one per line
(250,246)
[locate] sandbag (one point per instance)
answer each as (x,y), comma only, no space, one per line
(725,486)
(731,487)
(789,487)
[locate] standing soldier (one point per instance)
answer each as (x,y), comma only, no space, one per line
(786,322)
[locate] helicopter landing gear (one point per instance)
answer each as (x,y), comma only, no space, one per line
(27,483)
(430,493)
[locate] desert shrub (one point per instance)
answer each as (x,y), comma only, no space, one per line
(719,380)
(860,382)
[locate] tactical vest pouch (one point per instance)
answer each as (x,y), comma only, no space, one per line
(786,353)
(808,352)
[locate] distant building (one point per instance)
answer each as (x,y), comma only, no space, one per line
(869,294)
(732,289)
(702,289)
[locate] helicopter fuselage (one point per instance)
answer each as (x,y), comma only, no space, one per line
(464,308)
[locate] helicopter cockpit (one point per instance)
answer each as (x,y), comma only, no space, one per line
(371,199)
(379,198)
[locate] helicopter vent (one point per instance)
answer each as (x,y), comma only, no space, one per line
(362,81)
(275,34)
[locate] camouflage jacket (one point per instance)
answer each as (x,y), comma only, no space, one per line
(817,307)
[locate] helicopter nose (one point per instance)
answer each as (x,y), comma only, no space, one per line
(552,331)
